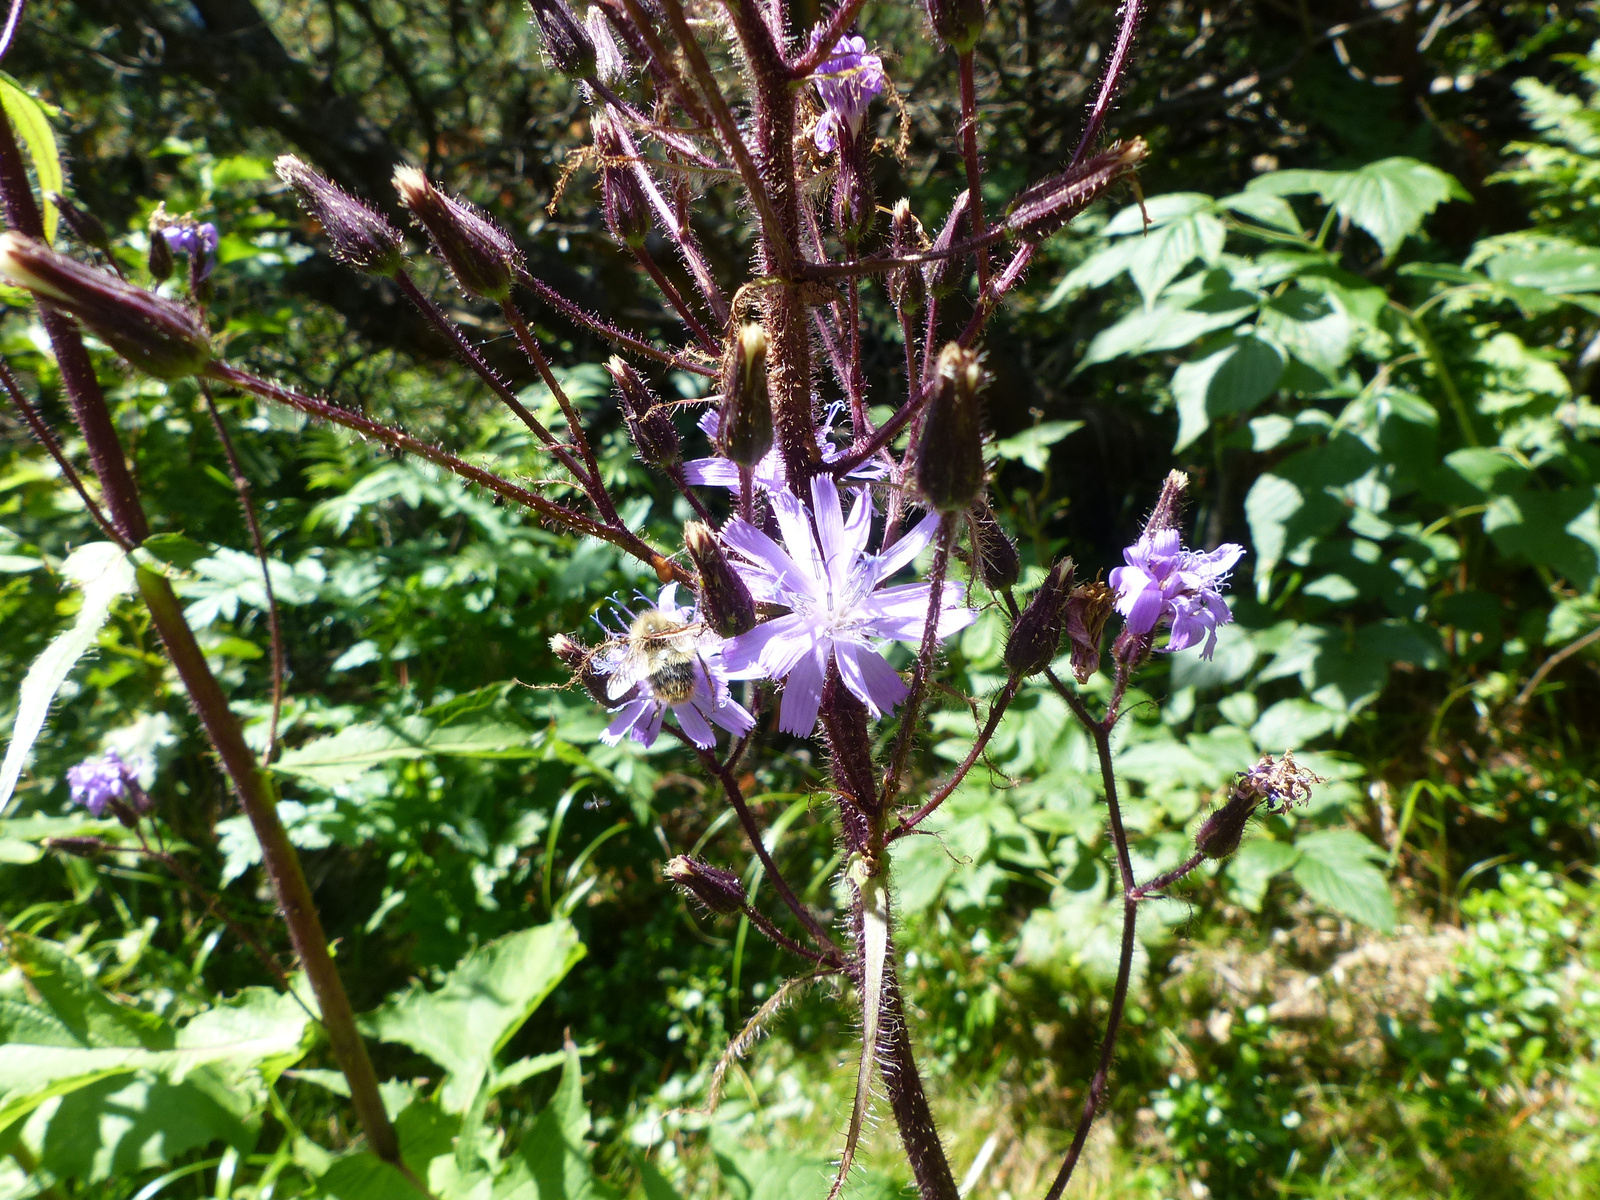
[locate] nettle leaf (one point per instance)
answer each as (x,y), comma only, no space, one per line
(485,999)
(103,573)
(1389,198)
(1235,378)
(1031,447)
(1336,869)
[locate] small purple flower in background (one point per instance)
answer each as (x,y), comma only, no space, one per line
(96,782)
(199,242)
(769,474)
(1164,581)
(824,575)
(846,82)
(667,660)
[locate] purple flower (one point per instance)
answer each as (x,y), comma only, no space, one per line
(1163,581)
(199,242)
(668,660)
(823,574)
(96,782)
(768,475)
(846,83)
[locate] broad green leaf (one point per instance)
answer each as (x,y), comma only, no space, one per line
(1031,447)
(86,1015)
(1574,270)
(1254,866)
(1268,507)
(102,571)
(1148,329)
(556,1151)
(1389,198)
(1264,208)
(1336,869)
(354,751)
(365,1176)
(1290,724)
(1307,326)
(29,122)
(484,1000)
(1233,379)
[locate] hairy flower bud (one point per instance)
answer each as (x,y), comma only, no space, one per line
(1051,203)
(1279,784)
(1165,514)
(949,450)
(481,255)
(939,276)
(362,237)
(854,204)
(579,659)
(648,422)
(908,290)
(626,207)
(1088,609)
(725,600)
(159,259)
(959,23)
(566,41)
(159,337)
(999,565)
(85,226)
(744,432)
(717,889)
(1036,636)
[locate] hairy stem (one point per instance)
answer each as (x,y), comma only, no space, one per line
(969,154)
(996,711)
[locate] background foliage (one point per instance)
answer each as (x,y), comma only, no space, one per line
(1359,307)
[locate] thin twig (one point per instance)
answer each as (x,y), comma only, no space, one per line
(996,711)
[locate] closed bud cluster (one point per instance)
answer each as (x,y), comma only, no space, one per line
(1088,609)
(999,565)
(959,23)
(566,41)
(85,226)
(1279,784)
(480,254)
(361,237)
(1051,203)
(1036,636)
(949,451)
(158,336)
(579,660)
(717,889)
(626,208)
(725,600)
(744,430)
(653,433)
(907,288)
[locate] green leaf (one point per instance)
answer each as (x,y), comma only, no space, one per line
(1162,328)
(1254,866)
(1182,226)
(1336,869)
(1307,326)
(365,1176)
(1389,198)
(28,120)
(352,752)
(1569,271)
(1233,379)
(1290,724)
(103,573)
(555,1150)
(176,550)
(1031,447)
(484,1000)
(86,1016)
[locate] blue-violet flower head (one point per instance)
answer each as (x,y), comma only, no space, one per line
(838,606)
(1165,582)
(769,474)
(846,80)
(96,782)
(199,242)
(669,661)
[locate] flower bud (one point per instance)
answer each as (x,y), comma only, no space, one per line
(651,428)
(908,290)
(938,274)
(85,226)
(579,660)
(159,260)
(626,208)
(566,41)
(725,600)
(1036,636)
(157,336)
(1220,833)
(1051,203)
(949,451)
(1088,609)
(1165,514)
(1279,784)
(854,205)
(361,236)
(959,23)
(999,565)
(717,889)
(78,847)
(744,432)
(481,255)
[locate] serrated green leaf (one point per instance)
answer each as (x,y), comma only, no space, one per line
(1336,869)
(1255,865)
(1233,379)
(1031,447)
(28,120)
(352,752)
(1161,328)
(1388,198)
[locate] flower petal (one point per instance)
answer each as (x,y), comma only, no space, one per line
(627,717)
(767,569)
(866,673)
(732,716)
(693,723)
(911,544)
(770,650)
(802,695)
(712,472)
(794,520)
